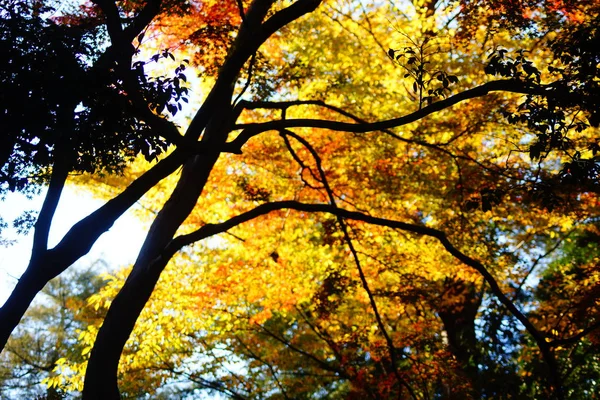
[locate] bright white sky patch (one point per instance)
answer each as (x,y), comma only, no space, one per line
(117,247)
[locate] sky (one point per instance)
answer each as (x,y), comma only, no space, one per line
(117,247)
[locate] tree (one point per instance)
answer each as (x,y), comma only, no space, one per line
(410,203)
(568,294)
(47,336)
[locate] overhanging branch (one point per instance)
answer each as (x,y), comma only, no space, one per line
(252,129)
(212,229)
(351,247)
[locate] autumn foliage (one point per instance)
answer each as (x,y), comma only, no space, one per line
(345,199)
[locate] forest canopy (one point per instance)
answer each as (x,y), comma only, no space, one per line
(343,198)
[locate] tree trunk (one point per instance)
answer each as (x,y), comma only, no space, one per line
(101,374)
(28,286)
(45,265)
(458,318)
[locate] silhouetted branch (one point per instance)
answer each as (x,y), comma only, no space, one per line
(506,85)
(213,229)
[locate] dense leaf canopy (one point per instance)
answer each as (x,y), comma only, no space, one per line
(345,199)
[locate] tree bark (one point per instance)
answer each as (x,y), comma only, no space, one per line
(28,286)
(102,370)
(83,235)
(101,374)
(47,264)
(458,318)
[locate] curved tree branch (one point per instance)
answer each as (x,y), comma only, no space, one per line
(212,229)
(101,374)
(77,242)
(505,85)
(363,279)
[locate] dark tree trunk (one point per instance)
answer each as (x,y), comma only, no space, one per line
(457,310)
(47,264)
(28,286)
(101,374)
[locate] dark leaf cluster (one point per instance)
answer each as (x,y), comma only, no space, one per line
(428,85)
(578,51)
(571,103)
(253,192)
(500,63)
(163,92)
(61,99)
(486,200)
